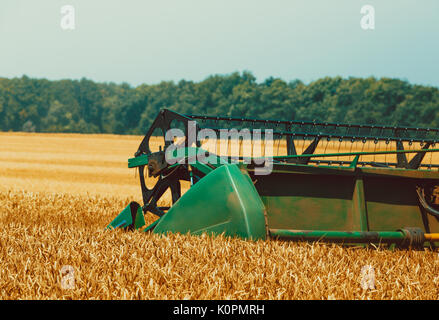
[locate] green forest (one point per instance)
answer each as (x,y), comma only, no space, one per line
(85,106)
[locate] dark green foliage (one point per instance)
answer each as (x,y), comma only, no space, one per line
(85,106)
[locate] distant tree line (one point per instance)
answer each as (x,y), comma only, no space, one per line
(85,106)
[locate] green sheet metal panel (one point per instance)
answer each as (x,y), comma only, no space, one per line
(365,199)
(305,201)
(392,203)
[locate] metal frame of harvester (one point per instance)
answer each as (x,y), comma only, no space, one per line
(340,197)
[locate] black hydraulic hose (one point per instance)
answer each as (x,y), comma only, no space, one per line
(425,205)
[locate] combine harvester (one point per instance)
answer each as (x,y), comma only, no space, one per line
(372,194)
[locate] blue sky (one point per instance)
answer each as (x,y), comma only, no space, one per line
(148,41)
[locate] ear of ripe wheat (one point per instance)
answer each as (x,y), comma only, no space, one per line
(42,232)
(57,213)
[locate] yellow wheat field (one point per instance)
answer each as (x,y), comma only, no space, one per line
(58,192)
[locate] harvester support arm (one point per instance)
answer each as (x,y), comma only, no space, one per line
(417,159)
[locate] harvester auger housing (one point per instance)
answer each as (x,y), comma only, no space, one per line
(370,194)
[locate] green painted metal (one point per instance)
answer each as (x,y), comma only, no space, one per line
(192,155)
(354,162)
(396,237)
(195,154)
(138,161)
(393,203)
(303,197)
(346,154)
(130,217)
(309,201)
(359,204)
(224,201)
(151,226)
(290,168)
